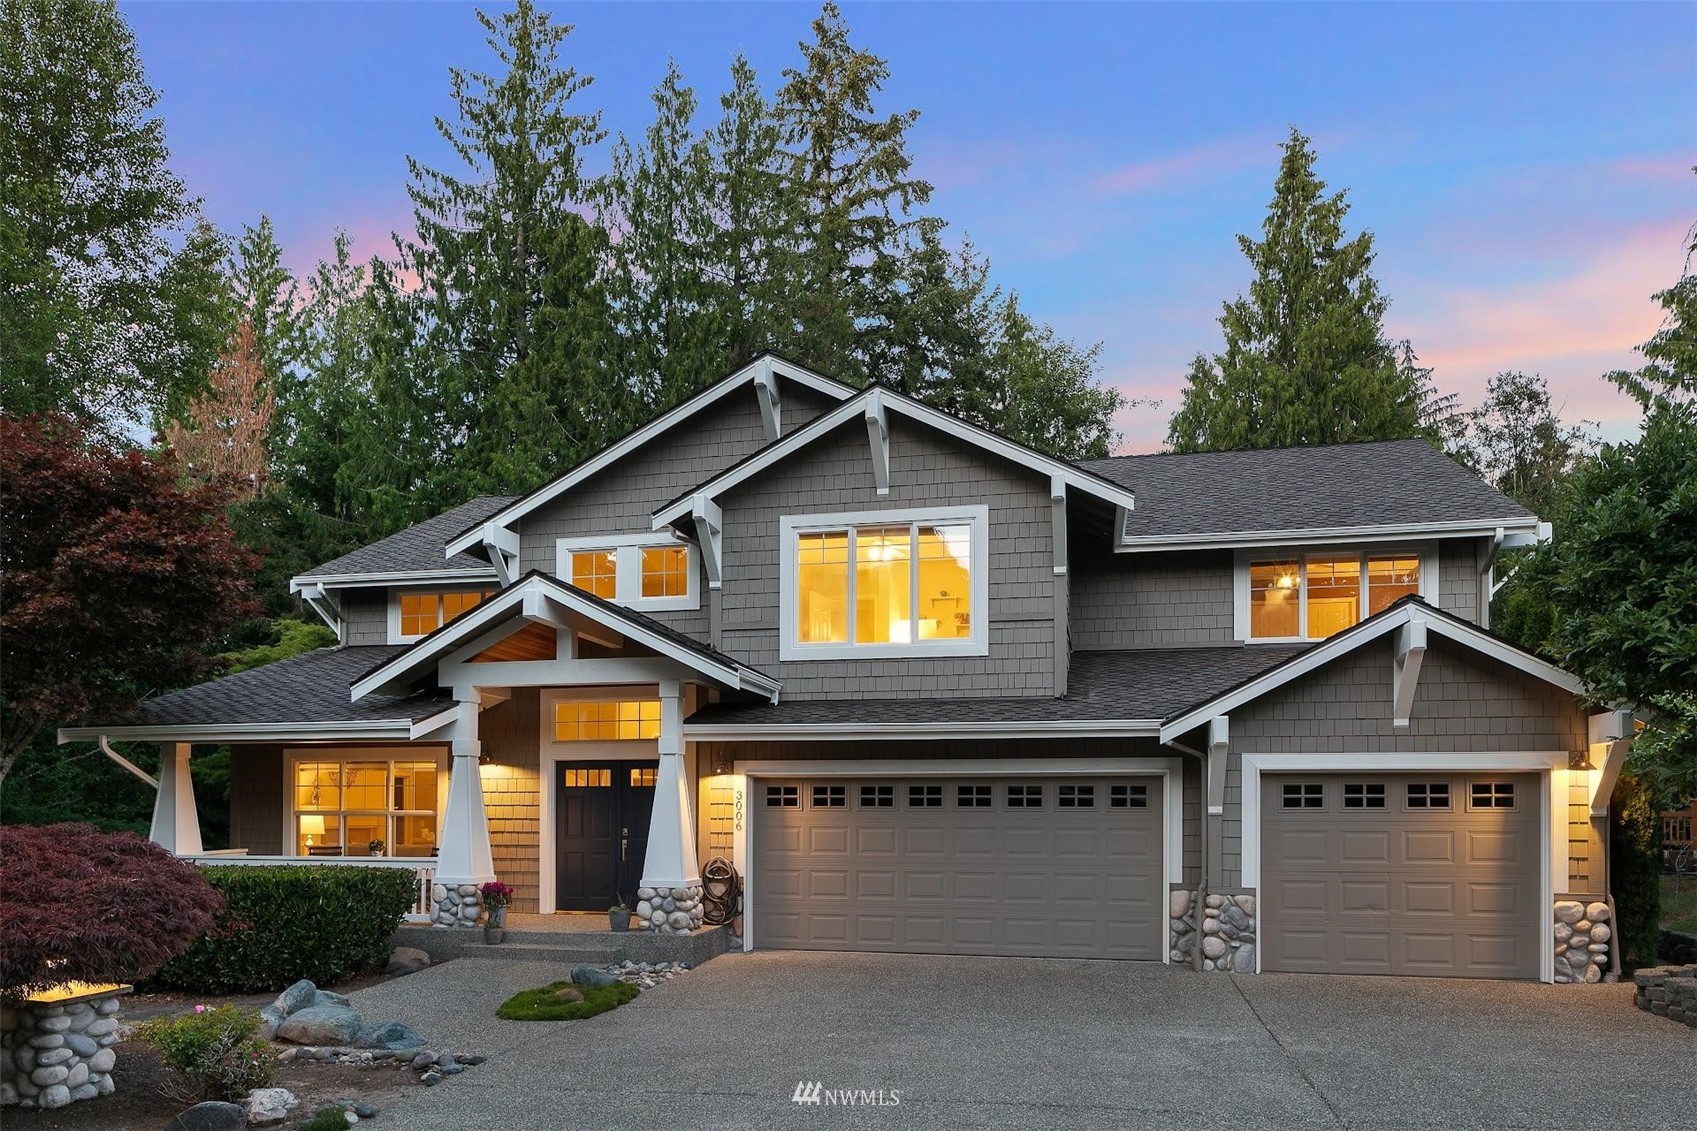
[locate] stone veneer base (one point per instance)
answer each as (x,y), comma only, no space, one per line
(56,1053)
(669,911)
(455,905)
(1582,938)
(1227,934)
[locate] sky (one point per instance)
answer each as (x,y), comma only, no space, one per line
(1525,168)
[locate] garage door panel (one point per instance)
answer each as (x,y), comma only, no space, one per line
(955,878)
(1404,888)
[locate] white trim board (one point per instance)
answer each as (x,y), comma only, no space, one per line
(616,451)
(401,577)
(1436,620)
(1552,801)
(791,526)
(398,730)
(1322,535)
(1169,769)
(891,401)
(886,732)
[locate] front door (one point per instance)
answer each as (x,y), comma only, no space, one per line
(601,832)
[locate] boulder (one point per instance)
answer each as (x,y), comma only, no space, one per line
(267,1107)
(328,997)
(321,1025)
(391,1035)
(570,993)
(269,1019)
(406,960)
(296,998)
(210,1116)
(591,976)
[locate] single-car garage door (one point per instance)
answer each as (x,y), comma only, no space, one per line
(1023,866)
(1434,874)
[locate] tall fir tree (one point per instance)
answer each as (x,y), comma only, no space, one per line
(112,304)
(1306,360)
(852,193)
(508,371)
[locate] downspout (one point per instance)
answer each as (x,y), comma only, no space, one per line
(106,748)
(1486,589)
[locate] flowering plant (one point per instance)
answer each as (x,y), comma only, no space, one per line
(496,894)
(213,1053)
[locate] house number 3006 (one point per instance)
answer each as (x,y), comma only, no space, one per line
(737,812)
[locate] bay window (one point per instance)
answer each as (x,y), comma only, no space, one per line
(1311,596)
(899,583)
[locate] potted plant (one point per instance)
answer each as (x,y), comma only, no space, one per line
(376,847)
(618,917)
(496,897)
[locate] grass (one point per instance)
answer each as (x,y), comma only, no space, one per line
(327,1119)
(541,1004)
(1679,904)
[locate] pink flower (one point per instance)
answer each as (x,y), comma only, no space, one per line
(200,1009)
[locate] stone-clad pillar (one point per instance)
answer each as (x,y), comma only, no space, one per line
(669,899)
(464,860)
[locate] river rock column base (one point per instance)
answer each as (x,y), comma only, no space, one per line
(1583,934)
(53,1054)
(669,911)
(1182,906)
(455,905)
(1228,933)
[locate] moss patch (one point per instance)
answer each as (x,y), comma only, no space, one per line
(542,1005)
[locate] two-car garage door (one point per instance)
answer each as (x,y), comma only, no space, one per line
(1017,866)
(1435,874)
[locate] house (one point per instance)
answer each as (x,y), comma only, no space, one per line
(929,690)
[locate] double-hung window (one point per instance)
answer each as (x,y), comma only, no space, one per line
(641,571)
(362,804)
(891,583)
(1310,596)
(416,613)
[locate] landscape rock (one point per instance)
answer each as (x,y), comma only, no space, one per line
(391,1035)
(431,1079)
(591,976)
(406,960)
(330,997)
(570,993)
(321,1025)
(213,1115)
(267,1107)
(54,1095)
(297,997)
(269,1018)
(1569,912)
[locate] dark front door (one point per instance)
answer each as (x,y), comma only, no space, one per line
(601,832)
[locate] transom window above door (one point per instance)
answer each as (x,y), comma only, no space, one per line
(891,583)
(604,720)
(1310,596)
(416,614)
(645,571)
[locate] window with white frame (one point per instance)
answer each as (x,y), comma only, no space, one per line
(419,612)
(1313,595)
(892,583)
(365,804)
(643,571)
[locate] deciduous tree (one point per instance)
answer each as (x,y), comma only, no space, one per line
(1517,440)
(225,437)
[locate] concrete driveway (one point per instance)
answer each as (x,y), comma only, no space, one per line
(1000,1042)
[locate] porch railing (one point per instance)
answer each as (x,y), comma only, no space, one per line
(424,871)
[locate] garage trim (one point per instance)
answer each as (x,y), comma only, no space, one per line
(1169,770)
(1552,828)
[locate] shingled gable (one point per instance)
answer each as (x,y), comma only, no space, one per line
(872,405)
(763,374)
(1411,615)
(416,553)
(1337,491)
(537,597)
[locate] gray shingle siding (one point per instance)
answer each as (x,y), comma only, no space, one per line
(257,804)
(926,468)
(1464,703)
(1458,577)
(1152,600)
(365,616)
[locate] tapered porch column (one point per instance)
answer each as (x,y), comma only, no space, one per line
(176,822)
(464,861)
(669,899)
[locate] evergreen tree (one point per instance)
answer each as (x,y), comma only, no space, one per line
(851,193)
(1306,360)
(111,300)
(508,370)
(267,298)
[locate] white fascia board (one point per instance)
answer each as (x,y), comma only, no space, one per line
(619,449)
(892,401)
(1324,535)
(889,732)
(402,577)
(1437,621)
(247,732)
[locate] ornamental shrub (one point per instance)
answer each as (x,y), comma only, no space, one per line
(280,925)
(213,1054)
(1635,871)
(88,906)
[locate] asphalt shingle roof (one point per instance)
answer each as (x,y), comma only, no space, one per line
(1141,684)
(309,688)
(420,547)
(1340,485)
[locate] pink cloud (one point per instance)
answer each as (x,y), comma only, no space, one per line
(1158,173)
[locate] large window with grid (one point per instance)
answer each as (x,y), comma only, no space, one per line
(1315,595)
(366,806)
(642,571)
(413,614)
(606,720)
(897,583)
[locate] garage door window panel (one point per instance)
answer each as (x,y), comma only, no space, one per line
(1304,795)
(783,797)
(1071,796)
(1491,795)
(830,796)
(1428,795)
(877,796)
(1025,797)
(1363,795)
(925,796)
(1128,797)
(974,796)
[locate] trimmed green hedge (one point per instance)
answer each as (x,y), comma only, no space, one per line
(283,924)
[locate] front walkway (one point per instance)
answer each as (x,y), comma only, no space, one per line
(985,1042)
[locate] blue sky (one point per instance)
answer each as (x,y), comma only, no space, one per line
(1525,167)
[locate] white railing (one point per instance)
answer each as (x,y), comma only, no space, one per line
(424,871)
